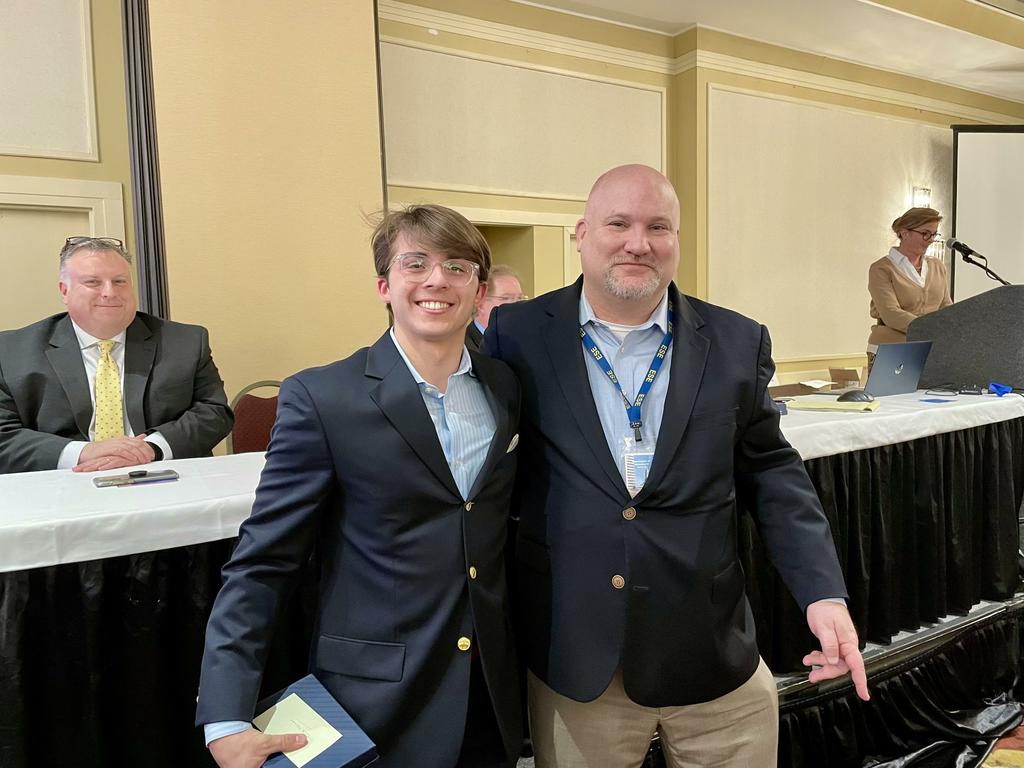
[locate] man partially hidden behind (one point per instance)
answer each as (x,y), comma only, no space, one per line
(103,386)
(503,287)
(645,422)
(397,463)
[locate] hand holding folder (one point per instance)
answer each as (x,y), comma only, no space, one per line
(250,749)
(299,727)
(333,738)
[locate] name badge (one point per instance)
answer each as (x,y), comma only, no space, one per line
(636,459)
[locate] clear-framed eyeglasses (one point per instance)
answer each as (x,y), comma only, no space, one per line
(416,268)
(508,298)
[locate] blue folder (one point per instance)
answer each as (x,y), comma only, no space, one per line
(353,750)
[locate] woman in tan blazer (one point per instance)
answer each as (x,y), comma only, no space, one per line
(905,283)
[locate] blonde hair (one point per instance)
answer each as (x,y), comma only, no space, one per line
(914,218)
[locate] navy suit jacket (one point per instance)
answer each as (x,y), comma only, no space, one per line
(170,385)
(680,628)
(473,337)
(355,466)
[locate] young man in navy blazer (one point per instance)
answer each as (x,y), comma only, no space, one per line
(398,463)
(645,419)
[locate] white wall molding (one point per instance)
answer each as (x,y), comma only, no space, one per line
(471,55)
(432,144)
(442,21)
(430,186)
(502,33)
(732,64)
(102,199)
(57,120)
(508,217)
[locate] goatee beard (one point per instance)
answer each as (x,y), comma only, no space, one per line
(632,290)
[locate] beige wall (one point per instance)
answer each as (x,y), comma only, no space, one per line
(33,227)
(270,157)
(686,68)
(536,253)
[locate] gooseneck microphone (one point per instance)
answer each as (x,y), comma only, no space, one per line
(962,248)
(966,252)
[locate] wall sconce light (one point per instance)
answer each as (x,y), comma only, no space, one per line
(922,197)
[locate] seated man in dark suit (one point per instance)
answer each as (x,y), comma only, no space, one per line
(103,386)
(397,464)
(503,287)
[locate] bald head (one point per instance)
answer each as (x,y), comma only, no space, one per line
(617,184)
(628,241)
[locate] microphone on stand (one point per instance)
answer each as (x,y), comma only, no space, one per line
(966,252)
(962,248)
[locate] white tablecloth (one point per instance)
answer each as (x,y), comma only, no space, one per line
(898,419)
(48,518)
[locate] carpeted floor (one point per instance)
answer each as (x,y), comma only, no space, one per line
(1009,751)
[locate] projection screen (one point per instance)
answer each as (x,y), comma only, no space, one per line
(988,204)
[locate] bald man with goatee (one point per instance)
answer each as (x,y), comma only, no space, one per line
(645,422)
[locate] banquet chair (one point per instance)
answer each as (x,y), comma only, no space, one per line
(254,418)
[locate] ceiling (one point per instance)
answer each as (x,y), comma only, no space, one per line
(858,31)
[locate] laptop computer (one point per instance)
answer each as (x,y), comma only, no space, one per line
(897,368)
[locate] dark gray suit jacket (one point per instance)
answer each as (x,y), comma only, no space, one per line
(171,386)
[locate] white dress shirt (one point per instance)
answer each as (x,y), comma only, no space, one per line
(90,348)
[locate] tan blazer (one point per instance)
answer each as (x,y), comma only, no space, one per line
(896,300)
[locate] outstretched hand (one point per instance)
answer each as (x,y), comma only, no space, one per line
(831,624)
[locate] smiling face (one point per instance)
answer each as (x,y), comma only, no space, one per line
(436,310)
(96,287)
(628,237)
(914,242)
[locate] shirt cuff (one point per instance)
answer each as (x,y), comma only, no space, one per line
(224,728)
(840,600)
(71,454)
(157,439)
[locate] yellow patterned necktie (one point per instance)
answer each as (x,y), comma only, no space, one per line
(109,410)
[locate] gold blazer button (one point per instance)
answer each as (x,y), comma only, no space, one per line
(464,643)
(618,582)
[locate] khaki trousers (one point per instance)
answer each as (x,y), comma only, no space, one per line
(737,730)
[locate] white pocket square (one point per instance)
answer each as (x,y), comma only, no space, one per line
(512,445)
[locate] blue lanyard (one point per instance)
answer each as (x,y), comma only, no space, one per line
(633,409)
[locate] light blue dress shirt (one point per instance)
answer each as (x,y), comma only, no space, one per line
(631,360)
(465,426)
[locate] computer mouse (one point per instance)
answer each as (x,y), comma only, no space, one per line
(856,396)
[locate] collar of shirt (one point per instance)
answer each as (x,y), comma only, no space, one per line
(902,263)
(86,340)
(659,317)
(465,365)
(478,326)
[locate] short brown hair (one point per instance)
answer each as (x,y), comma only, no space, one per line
(914,218)
(435,226)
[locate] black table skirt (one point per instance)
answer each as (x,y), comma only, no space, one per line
(923,529)
(99,661)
